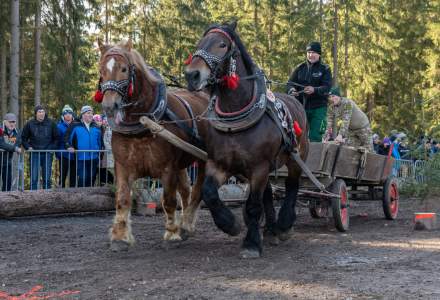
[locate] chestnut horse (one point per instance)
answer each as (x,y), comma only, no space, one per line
(128,88)
(245,138)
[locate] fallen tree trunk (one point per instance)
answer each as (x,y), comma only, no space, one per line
(57,201)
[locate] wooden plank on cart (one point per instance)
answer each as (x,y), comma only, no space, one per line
(374,166)
(321,157)
(347,164)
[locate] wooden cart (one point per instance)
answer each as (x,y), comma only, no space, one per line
(345,172)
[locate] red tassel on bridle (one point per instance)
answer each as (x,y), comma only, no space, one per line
(99,96)
(189,59)
(231,81)
(130,90)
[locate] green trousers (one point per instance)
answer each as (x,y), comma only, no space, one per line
(317,119)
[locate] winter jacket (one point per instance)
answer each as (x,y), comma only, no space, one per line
(317,75)
(40,135)
(81,138)
(62,128)
(345,117)
(9,140)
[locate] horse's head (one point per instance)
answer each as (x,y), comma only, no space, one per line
(117,79)
(214,57)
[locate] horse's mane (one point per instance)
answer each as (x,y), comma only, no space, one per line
(247,60)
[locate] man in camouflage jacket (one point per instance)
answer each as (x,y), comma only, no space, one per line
(347,123)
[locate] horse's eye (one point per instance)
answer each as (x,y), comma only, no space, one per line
(222,45)
(124,70)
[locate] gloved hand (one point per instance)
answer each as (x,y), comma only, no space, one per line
(293,92)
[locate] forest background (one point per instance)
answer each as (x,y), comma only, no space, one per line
(385,54)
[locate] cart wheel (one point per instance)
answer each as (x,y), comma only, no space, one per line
(318,209)
(340,205)
(390,198)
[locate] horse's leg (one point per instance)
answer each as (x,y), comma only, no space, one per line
(287,213)
(190,213)
(120,233)
(252,244)
(223,217)
(270,233)
(169,203)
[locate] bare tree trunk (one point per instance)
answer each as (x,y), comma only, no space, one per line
(370,106)
(38,54)
(3,94)
(270,43)
(106,21)
(63,201)
(335,44)
(15,56)
(321,21)
(346,44)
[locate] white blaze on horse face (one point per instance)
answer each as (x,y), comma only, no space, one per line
(110,64)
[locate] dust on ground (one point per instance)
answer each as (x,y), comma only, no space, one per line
(69,258)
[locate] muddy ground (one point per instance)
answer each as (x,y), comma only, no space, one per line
(68,258)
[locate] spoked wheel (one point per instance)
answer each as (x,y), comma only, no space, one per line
(318,209)
(340,206)
(390,198)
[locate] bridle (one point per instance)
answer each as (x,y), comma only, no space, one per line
(215,62)
(124,87)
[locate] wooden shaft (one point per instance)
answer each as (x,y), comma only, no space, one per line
(172,138)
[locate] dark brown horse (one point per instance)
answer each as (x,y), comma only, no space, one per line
(128,88)
(245,138)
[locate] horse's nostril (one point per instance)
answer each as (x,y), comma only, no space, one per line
(195,76)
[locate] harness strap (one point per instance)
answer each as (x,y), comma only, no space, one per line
(180,123)
(191,113)
(287,140)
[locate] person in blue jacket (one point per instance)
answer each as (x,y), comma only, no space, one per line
(66,160)
(85,135)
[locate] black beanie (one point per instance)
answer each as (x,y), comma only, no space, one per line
(315,47)
(37,108)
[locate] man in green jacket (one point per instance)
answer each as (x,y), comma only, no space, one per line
(310,83)
(347,123)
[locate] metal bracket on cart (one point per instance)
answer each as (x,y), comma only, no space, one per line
(322,190)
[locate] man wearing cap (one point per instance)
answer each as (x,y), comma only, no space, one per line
(66,160)
(310,82)
(347,123)
(10,142)
(40,134)
(85,135)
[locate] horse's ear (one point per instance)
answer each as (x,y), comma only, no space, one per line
(102,47)
(128,45)
(233,25)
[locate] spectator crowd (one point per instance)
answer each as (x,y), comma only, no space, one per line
(77,142)
(424,148)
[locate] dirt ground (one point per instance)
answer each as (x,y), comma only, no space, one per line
(68,258)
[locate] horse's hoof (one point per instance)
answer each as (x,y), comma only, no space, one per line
(272,240)
(235,229)
(172,236)
(250,253)
(185,234)
(119,246)
(284,236)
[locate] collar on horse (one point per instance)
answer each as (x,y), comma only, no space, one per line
(247,116)
(156,112)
